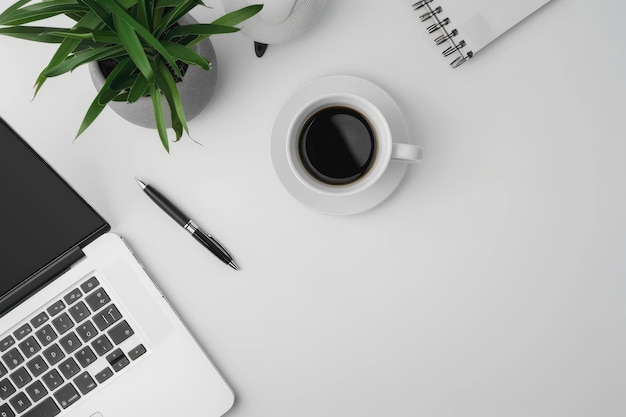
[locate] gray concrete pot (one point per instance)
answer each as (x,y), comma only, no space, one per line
(196,88)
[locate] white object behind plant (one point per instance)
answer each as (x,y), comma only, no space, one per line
(280,20)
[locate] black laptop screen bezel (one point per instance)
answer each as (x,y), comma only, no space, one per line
(47,273)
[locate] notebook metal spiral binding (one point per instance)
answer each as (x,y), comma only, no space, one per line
(440,23)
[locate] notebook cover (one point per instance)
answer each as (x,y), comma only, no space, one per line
(463,27)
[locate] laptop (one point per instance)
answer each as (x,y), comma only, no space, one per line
(84,331)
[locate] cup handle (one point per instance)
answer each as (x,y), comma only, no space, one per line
(406,152)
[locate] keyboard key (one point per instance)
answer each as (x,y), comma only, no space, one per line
(120,332)
(63,323)
(39,319)
(12,358)
(36,391)
(6,343)
(114,356)
(107,317)
(53,354)
(104,374)
(21,377)
(67,395)
(89,285)
(6,388)
(73,296)
(20,402)
(29,347)
(69,368)
(86,331)
(136,352)
(97,299)
(79,312)
(84,382)
(70,342)
(3,372)
(46,335)
(37,366)
(85,357)
(120,364)
(117,360)
(5,411)
(47,408)
(56,308)
(52,379)
(102,345)
(23,331)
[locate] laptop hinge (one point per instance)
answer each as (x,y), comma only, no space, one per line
(40,279)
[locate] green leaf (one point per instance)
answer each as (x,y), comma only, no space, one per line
(172,16)
(106,17)
(33,33)
(94,35)
(160,4)
(114,7)
(75,16)
(185,54)
(46,4)
(38,12)
(144,14)
(139,88)
(126,82)
(157,16)
(121,97)
(90,21)
(66,47)
(238,16)
(159,116)
(127,4)
(84,57)
(87,44)
(119,80)
(4,16)
(133,46)
(105,95)
(165,82)
(177,126)
(199,29)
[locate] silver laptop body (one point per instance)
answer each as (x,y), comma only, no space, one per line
(89,334)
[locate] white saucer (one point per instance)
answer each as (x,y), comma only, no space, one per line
(330,204)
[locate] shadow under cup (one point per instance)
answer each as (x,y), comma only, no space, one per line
(338,145)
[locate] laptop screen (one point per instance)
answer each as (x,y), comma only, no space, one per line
(41,217)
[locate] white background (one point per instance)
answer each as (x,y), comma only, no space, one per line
(491,283)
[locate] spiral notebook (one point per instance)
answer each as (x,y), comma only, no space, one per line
(463,27)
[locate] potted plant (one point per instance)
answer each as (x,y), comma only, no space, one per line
(140,43)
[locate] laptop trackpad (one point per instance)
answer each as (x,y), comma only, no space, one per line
(141,299)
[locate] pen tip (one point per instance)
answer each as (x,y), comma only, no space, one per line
(141,183)
(233,265)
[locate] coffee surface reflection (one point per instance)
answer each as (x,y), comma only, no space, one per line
(337,145)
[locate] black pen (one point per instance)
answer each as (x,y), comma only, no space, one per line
(179,217)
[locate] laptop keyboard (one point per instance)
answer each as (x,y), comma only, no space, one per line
(64,352)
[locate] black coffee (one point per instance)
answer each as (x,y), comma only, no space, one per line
(337,145)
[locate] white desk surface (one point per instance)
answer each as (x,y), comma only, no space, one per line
(491,283)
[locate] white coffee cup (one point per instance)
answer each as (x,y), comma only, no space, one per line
(386,151)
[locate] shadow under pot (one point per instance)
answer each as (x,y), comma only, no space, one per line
(196,88)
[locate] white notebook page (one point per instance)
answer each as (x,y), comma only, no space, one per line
(481,21)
